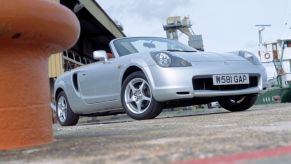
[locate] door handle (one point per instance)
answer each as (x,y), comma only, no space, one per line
(83,74)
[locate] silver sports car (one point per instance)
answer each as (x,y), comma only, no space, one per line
(143,75)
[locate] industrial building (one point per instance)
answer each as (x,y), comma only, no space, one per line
(97,30)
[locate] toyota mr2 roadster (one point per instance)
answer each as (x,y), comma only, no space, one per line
(143,75)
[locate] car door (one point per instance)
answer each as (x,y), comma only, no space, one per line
(99,82)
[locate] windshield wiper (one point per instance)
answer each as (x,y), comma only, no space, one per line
(177,50)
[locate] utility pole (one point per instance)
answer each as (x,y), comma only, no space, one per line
(260,30)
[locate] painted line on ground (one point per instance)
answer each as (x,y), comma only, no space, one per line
(241,157)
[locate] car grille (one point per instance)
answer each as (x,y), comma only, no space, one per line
(206,83)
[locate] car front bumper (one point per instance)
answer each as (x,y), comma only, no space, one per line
(177,82)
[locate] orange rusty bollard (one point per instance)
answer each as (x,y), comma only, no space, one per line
(30,30)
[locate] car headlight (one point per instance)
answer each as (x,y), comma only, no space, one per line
(165,59)
(250,57)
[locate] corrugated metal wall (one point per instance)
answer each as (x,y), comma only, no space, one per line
(56,61)
(55,65)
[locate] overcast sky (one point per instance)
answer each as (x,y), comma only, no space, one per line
(226,25)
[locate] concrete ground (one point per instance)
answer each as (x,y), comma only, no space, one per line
(259,135)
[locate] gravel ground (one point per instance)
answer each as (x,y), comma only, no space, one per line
(173,136)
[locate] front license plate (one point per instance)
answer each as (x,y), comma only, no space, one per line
(230,79)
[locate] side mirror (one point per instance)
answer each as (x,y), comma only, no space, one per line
(100,55)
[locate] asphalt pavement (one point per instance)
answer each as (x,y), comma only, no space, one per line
(259,135)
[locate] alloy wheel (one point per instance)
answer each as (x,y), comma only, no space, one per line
(62,109)
(138,95)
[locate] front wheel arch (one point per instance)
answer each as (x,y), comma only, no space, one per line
(129,71)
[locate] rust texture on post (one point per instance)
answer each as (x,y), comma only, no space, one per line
(29,31)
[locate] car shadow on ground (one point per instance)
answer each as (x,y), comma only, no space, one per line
(123,118)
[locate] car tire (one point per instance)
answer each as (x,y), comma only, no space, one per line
(65,115)
(137,99)
(238,103)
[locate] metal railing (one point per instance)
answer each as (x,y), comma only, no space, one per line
(73,60)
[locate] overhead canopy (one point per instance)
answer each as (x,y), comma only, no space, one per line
(97,28)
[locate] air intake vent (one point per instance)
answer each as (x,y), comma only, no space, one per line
(75,81)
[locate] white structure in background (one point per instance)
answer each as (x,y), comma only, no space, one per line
(275,55)
(175,24)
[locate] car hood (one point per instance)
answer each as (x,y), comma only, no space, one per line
(207,56)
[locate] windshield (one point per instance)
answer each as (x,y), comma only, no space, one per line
(128,46)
